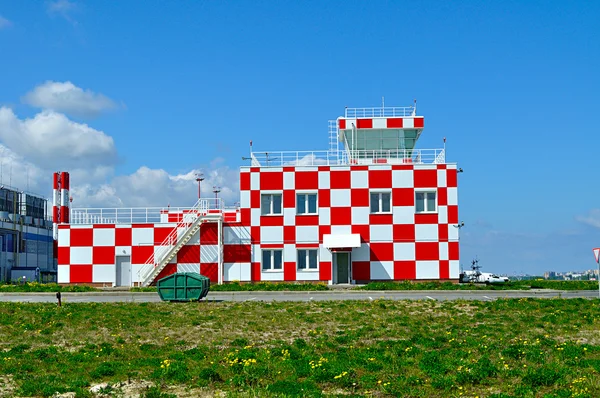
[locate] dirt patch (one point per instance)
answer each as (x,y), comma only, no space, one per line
(7,386)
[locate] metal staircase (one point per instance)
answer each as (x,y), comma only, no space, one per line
(179,237)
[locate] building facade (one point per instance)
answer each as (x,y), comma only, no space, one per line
(371,207)
(26,242)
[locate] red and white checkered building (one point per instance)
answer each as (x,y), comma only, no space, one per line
(372,207)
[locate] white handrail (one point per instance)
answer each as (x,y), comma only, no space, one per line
(347,157)
(402,111)
(171,239)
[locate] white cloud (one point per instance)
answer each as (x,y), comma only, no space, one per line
(18,173)
(4,23)
(64,8)
(68,98)
(51,140)
(156,188)
(592,218)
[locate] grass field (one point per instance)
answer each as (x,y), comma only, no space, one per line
(504,348)
(269,286)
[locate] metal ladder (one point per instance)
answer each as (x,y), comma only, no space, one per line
(159,260)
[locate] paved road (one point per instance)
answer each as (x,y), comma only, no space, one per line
(487,295)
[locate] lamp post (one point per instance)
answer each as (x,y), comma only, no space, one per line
(199,178)
(216,190)
(597,256)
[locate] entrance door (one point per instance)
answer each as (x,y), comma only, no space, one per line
(123,271)
(342,267)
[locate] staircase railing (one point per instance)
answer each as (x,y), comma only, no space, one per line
(188,221)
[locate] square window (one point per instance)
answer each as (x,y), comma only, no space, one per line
(272,260)
(307,259)
(270,204)
(381,202)
(425,202)
(306,203)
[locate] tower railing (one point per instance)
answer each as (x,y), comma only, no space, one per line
(403,111)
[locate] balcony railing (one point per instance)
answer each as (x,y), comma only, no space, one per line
(330,158)
(137,215)
(405,111)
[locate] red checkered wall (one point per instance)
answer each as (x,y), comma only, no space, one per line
(399,245)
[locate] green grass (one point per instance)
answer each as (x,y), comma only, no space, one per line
(503,348)
(513,285)
(43,287)
(268,286)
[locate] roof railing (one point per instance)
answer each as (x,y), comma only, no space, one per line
(404,111)
(329,158)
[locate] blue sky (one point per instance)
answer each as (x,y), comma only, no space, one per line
(183,86)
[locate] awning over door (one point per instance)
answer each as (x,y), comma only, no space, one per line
(338,241)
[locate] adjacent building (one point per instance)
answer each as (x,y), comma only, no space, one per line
(26,242)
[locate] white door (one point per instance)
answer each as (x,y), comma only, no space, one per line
(123,269)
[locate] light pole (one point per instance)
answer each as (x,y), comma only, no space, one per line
(199,178)
(597,256)
(216,190)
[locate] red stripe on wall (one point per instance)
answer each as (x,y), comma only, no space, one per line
(271,245)
(381,219)
(325,270)
(307,245)
(453,251)
(82,237)
(307,220)
(405,270)
(426,218)
(122,236)
(237,254)
(289,271)
(289,234)
(210,270)
(103,255)
(394,123)
(255,272)
(361,270)
(444,269)
(244,181)
(80,273)
(64,255)
(342,124)
(364,123)
(271,221)
(427,251)
(419,122)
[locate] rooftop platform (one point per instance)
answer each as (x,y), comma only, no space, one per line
(345,158)
(152,215)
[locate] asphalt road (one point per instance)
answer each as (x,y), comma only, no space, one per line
(120,296)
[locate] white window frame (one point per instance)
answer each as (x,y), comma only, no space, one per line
(307,259)
(426,192)
(380,193)
(306,194)
(272,267)
(271,213)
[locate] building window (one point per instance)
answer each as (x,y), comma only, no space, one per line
(270,204)
(307,259)
(306,203)
(272,260)
(381,202)
(425,202)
